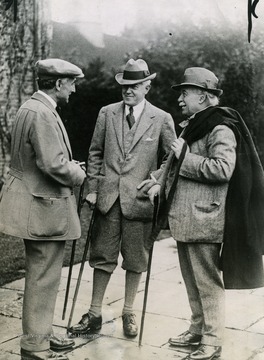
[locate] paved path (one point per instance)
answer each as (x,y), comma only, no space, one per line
(167,315)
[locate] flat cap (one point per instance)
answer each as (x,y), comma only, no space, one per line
(50,68)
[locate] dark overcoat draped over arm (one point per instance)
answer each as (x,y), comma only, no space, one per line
(243,245)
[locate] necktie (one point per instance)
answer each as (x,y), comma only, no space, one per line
(130,117)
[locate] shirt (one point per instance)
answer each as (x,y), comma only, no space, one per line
(137,109)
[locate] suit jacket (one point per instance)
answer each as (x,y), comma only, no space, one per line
(114,173)
(37,200)
(197,212)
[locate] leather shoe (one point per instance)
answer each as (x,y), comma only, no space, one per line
(59,344)
(186,339)
(129,324)
(206,352)
(88,324)
(42,355)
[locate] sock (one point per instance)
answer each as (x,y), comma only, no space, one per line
(131,288)
(100,282)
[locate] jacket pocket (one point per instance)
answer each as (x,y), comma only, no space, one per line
(48,217)
(207,222)
(204,209)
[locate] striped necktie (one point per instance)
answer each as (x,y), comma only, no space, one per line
(130,117)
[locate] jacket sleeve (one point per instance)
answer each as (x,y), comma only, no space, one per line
(167,136)
(219,164)
(45,138)
(96,152)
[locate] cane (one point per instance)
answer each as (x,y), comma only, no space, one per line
(79,208)
(82,267)
(156,204)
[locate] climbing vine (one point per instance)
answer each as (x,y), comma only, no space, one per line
(24,38)
(8,5)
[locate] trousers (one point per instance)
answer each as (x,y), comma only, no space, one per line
(199,263)
(44,261)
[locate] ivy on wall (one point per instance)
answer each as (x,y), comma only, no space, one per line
(24,38)
(8,4)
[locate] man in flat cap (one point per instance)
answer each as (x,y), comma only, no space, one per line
(122,163)
(213,184)
(38,203)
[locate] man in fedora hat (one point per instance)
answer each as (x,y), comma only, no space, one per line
(207,203)
(127,140)
(38,203)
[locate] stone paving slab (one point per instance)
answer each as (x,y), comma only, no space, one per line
(243,309)
(10,328)
(9,356)
(15,285)
(167,315)
(241,345)
(258,327)
(116,349)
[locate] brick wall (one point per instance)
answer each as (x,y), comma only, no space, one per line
(22,43)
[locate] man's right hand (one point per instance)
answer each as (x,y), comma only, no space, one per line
(91,199)
(153,192)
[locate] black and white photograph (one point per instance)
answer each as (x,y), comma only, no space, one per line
(131,179)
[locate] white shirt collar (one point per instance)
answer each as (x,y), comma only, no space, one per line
(137,109)
(53,103)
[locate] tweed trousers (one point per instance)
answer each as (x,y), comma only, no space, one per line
(199,264)
(43,271)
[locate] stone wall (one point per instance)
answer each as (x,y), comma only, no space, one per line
(25,36)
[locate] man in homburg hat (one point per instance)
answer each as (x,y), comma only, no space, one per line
(123,155)
(38,203)
(213,185)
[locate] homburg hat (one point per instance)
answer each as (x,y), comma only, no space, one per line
(201,78)
(135,72)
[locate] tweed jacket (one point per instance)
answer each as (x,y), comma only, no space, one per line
(114,172)
(37,200)
(197,212)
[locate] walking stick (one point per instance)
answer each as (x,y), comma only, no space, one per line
(156,203)
(155,230)
(79,208)
(82,267)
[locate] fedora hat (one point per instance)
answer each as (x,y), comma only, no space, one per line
(135,72)
(201,78)
(52,68)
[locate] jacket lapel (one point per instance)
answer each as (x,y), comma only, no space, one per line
(117,119)
(45,101)
(64,134)
(145,121)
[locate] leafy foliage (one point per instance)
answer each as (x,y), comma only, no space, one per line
(96,90)
(169,52)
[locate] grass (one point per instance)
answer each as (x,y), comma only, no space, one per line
(12,259)
(12,253)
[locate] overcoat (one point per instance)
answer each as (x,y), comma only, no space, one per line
(37,199)
(114,172)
